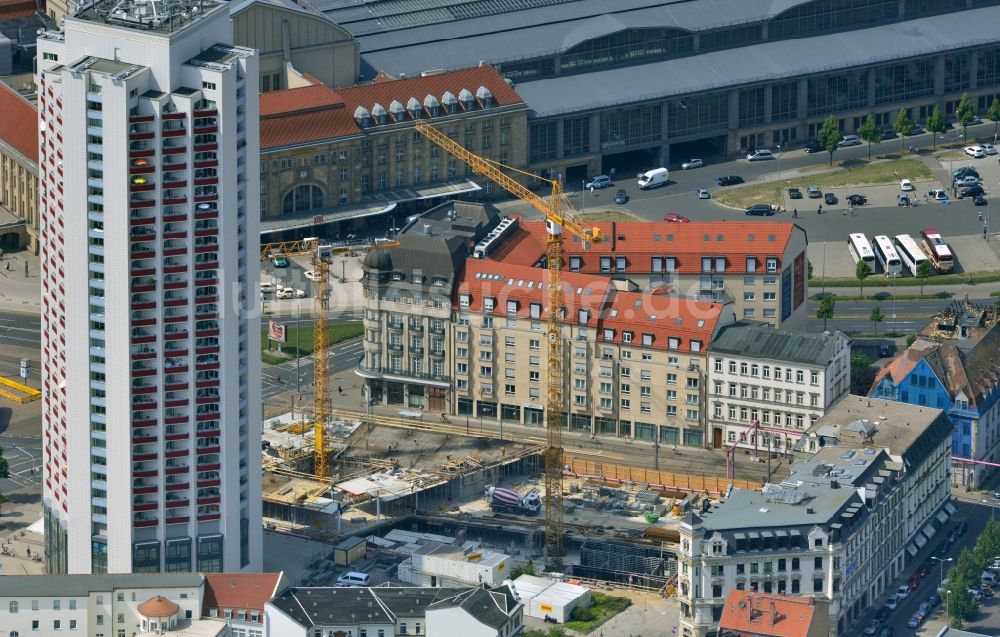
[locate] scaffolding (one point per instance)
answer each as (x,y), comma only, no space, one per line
(625,563)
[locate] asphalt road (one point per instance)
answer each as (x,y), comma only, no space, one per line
(679,195)
(279,379)
(24,461)
(854,316)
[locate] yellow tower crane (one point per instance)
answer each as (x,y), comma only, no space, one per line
(320,255)
(559,215)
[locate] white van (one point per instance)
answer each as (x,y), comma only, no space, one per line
(758,155)
(989,577)
(353,579)
(653,178)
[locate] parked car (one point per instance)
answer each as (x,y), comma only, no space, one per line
(906,185)
(917,130)
(849,140)
(889,133)
(903,592)
(730,180)
(830,199)
(814,147)
(704,194)
(279,262)
(291,293)
(965,170)
(976,152)
(924,610)
(692,163)
(759,155)
(962,527)
(989,148)
(601,181)
(267,288)
(882,614)
(967,180)
(794,193)
(857,200)
(886,632)
(979,200)
(892,603)
(913,581)
(903,200)
(760,210)
(312,275)
(673,217)
(938,194)
(914,621)
(934,600)
(971,191)
(621,197)
(814,192)
(943,586)
(872,627)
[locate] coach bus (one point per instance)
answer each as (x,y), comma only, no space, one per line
(937,251)
(861,250)
(886,255)
(910,253)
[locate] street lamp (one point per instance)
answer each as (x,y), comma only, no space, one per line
(994,504)
(779,162)
(947,611)
(941,561)
(583,196)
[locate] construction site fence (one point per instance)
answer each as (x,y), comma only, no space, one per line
(17,392)
(656,479)
(611,585)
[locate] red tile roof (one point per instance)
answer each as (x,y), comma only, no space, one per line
(760,614)
(686,242)
(662,316)
(903,364)
(330,113)
(19,125)
(239,591)
(11,9)
(521,247)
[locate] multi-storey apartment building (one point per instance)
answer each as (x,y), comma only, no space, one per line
(767,386)
(333,155)
(961,378)
(762,269)
(454,321)
(841,527)
(223,604)
(149,199)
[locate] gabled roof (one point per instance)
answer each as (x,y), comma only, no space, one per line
(898,368)
(664,317)
(19,124)
(490,607)
(686,242)
(246,591)
(761,342)
(11,9)
(762,614)
(309,606)
(330,114)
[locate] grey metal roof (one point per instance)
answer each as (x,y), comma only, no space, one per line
(490,607)
(547,24)
(83,585)
(312,606)
(745,509)
(298,6)
(442,252)
(755,341)
(767,61)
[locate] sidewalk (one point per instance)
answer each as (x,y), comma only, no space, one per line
(17,292)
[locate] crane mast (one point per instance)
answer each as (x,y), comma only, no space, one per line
(556,220)
(320,258)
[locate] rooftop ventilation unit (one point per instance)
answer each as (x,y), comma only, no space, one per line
(493,239)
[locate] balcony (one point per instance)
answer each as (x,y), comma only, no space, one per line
(142,336)
(173,471)
(144,506)
(174,283)
(173,116)
(183,519)
(176,420)
(138,202)
(141,423)
(206,130)
(170,199)
(141,136)
(143,284)
(210,500)
(144,473)
(144,490)
(142,440)
(177,486)
(176,386)
(176,503)
(143,389)
(208,112)
(143,353)
(140,234)
(175,132)
(171,216)
(139,119)
(138,372)
(176,453)
(173,150)
(140,219)
(144,522)
(210,163)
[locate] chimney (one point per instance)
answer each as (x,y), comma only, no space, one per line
(614,235)
(427,228)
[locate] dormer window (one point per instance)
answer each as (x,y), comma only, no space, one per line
(414,108)
(488,304)
(378,114)
(450,103)
(535,310)
(432,105)
(464,300)
(465,97)
(772,264)
(484,96)
(511,308)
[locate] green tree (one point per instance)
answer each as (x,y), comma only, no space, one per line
(826,309)
(809,274)
(523,569)
(923,271)
(829,136)
(862,374)
(903,126)
(993,113)
(936,124)
(862,271)
(869,131)
(911,339)
(964,113)
(877,316)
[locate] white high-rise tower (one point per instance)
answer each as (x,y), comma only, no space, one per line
(149,215)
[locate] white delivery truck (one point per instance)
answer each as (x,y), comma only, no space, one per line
(653,178)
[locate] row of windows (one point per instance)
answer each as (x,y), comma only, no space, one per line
(755,370)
